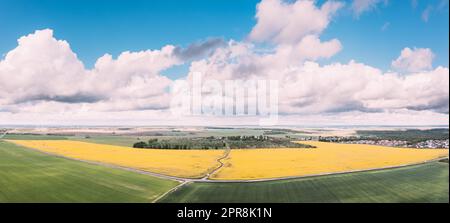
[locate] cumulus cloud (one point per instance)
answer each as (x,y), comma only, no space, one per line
(310,88)
(282,22)
(414,60)
(43,72)
(294,28)
(310,47)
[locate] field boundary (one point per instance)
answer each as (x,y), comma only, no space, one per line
(326,174)
(221,164)
(170,191)
(179,179)
(205,179)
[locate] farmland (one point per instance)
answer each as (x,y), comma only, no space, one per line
(420,183)
(326,158)
(241,164)
(30,176)
(32,169)
(179,163)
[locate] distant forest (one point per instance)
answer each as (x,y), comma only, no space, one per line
(410,135)
(233,142)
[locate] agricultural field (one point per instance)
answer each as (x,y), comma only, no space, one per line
(31,176)
(127,141)
(179,163)
(241,164)
(245,164)
(57,179)
(421,183)
(33,137)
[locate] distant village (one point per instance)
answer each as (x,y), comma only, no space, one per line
(427,144)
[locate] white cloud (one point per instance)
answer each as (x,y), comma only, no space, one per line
(361,6)
(413,60)
(294,29)
(140,118)
(282,22)
(42,74)
(310,47)
(310,88)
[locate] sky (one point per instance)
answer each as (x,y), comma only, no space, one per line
(112,62)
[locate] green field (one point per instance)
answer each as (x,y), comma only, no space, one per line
(33,137)
(30,176)
(424,183)
(111,140)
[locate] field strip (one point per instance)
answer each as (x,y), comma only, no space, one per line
(323,174)
(205,179)
(179,179)
(171,190)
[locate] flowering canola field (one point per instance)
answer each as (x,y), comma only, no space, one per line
(180,163)
(248,164)
(242,164)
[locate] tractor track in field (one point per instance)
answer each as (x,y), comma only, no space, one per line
(170,191)
(221,164)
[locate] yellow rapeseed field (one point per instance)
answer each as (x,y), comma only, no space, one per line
(246,164)
(180,163)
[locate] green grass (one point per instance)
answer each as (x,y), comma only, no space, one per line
(32,137)
(31,176)
(111,140)
(423,183)
(127,141)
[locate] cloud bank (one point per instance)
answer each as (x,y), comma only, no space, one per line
(42,80)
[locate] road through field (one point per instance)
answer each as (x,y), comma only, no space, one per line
(221,164)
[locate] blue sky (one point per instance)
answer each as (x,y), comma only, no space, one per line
(94,28)
(97,27)
(365,40)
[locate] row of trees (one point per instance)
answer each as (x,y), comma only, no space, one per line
(183,143)
(234,142)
